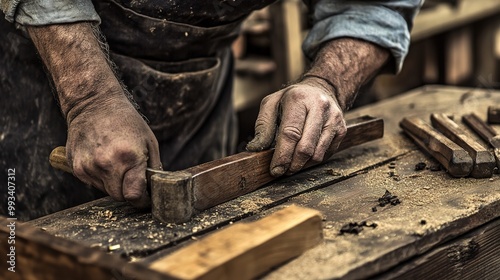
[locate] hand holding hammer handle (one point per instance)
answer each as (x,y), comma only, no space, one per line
(177,196)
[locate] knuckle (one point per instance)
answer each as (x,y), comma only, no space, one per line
(318,157)
(341,131)
(113,191)
(324,104)
(266,100)
(292,133)
(132,195)
(261,124)
(103,162)
(305,151)
(79,171)
(296,94)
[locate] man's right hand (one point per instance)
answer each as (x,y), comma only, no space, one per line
(109,145)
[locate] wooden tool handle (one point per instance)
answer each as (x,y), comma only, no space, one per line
(221,180)
(58,159)
(455,159)
(484,161)
(482,129)
(359,131)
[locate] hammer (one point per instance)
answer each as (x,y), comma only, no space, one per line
(178,195)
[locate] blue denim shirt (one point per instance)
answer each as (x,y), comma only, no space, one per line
(386,23)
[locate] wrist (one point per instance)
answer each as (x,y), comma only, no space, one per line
(346,64)
(77,65)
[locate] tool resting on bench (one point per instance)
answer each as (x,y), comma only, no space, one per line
(177,195)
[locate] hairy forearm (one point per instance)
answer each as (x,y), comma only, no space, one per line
(347,64)
(77,65)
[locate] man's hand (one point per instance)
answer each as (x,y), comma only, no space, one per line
(306,119)
(109,145)
(311,120)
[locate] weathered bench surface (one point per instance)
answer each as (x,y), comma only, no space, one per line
(416,237)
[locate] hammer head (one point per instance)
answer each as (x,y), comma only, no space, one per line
(172,196)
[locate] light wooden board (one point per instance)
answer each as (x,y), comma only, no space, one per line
(246,250)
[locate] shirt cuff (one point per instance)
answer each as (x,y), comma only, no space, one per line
(9,8)
(44,12)
(370,22)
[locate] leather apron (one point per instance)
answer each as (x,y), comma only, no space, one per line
(173,56)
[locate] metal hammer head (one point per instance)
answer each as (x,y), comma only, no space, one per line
(172,196)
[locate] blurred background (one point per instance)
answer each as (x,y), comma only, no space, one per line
(454,42)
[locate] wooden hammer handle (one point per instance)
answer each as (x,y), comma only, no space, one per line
(371,127)
(177,196)
(58,159)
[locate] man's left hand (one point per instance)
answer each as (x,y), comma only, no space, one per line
(310,121)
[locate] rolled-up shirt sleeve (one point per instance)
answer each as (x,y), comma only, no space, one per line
(45,12)
(385,23)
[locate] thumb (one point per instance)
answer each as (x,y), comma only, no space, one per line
(266,123)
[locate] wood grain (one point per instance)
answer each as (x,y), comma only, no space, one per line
(343,189)
(40,255)
(177,196)
(456,160)
(484,161)
(473,256)
(246,250)
(225,179)
(207,185)
(484,131)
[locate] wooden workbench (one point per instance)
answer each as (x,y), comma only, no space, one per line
(443,228)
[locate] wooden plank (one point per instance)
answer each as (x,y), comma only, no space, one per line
(34,254)
(484,161)
(455,159)
(458,64)
(250,171)
(287,41)
(472,256)
(486,132)
(445,17)
(293,27)
(178,195)
(246,250)
(486,69)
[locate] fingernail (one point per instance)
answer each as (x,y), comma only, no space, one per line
(252,145)
(278,171)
